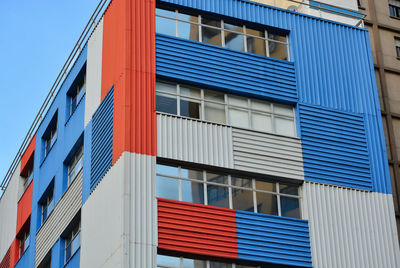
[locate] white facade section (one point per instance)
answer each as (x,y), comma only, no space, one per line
(93,72)
(267,154)
(351,228)
(194,141)
(8,212)
(123,206)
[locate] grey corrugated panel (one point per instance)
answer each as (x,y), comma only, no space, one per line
(194,141)
(62,214)
(93,72)
(351,228)
(267,154)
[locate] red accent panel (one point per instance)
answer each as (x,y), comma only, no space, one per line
(14,252)
(5,263)
(27,157)
(197,229)
(129,64)
(24,207)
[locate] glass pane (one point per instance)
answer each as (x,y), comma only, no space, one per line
(261,106)
(188,263)
(242,200)
(214,96)
(188,17)
(167,188)
(211,36)
(167,170)
(277,37)
(233,27)
(81,92)
(288,189)
(241,182)
(211,22)
(261,122)
(75,244)
(214,264)
(164,12)
(290,207)
(283,109)
(256,46)
(44,214)
(50,207)
(166,103)
(265,186)
(192,192)
(238,101)
(165,87)
(188,31)
(68,252)
(168,261)
(255,32)
(244,266)
(234,41)
(190,108)
(277,50)
(214,112)
(217,178)
(267,204)
(284,126)
(192,174)
(239,118)
(218,196)
(190,92)
(166,26)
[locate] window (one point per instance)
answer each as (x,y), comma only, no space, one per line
(397,45)
(50,136)
(228,191)
(47,202)
(394,8)
(76,94)
(28,178)
(75,165)
(46,263)
(24,242)
(222,33)
(227,109)
(72,242)
(180,262)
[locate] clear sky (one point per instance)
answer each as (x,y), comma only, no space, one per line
(36,37)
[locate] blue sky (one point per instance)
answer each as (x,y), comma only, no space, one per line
(36,38)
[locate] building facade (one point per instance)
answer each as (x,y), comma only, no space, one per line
(224,133)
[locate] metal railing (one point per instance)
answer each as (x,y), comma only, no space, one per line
(83,38)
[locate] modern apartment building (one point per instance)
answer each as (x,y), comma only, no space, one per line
(207,133)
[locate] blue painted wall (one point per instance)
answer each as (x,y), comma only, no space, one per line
(87,162)
(24,260)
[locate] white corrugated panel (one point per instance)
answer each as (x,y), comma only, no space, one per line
(93,72)
(194,141)
(267,154)
(59,219)
(125,204)
(351,228)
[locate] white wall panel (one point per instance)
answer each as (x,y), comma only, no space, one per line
(93,72)
(351,228)
(194,141)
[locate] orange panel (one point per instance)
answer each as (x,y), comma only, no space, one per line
(197,229)
(5,263)
(14,252)
(129,65)
(24,207)
(27,157)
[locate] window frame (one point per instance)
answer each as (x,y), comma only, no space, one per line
(22,243)
(49,200)
(76,159)
(394,8)
(69,242)
(77,95)
(207,262)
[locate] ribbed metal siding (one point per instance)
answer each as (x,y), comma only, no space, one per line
(196,229)
(273,239)
(194,141)
(5,263)
(230,70)
(267,154)
(102,139)
(334,147)
(62,214)
(351,228)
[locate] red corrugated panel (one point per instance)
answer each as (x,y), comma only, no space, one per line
(27,157)
(197,229)
(129,65)
(5,263)
(14,252)
(24,207)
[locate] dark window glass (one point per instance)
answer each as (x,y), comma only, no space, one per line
(166,103)
(218,196)
(190,108)
(277,50)
(242,199)
(234,41)
(189,263)
(288,189)
(267,204)
(211,36)
(256,46)
(290,207)
(192,192)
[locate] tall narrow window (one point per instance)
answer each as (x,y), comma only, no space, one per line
(24,242)
(72,242)
(47,202)
(394,8)
(76,94)
(397,45)
(50,135)
(75,165)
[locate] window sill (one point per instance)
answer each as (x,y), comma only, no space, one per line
(393,17)
(76,108)
(361,7)
(51,149)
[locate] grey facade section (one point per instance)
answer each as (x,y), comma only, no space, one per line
(125,204)
(194,141)
(63,213)
(93,72)
(350,228)
(267,154)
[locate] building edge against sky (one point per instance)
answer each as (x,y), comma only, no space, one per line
(217,131)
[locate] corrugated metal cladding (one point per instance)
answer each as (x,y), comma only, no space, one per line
(5,263)
(196,229)
(24,207)
(194,141)
(62,214)
(102,139)
(267,154)
(230,70)
(333,62)
(273,239)
(334,147)
(351,228)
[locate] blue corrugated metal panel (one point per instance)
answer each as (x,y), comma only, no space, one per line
(335,147)
(273,239)
(233,71)
(102,139)
(335,10)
